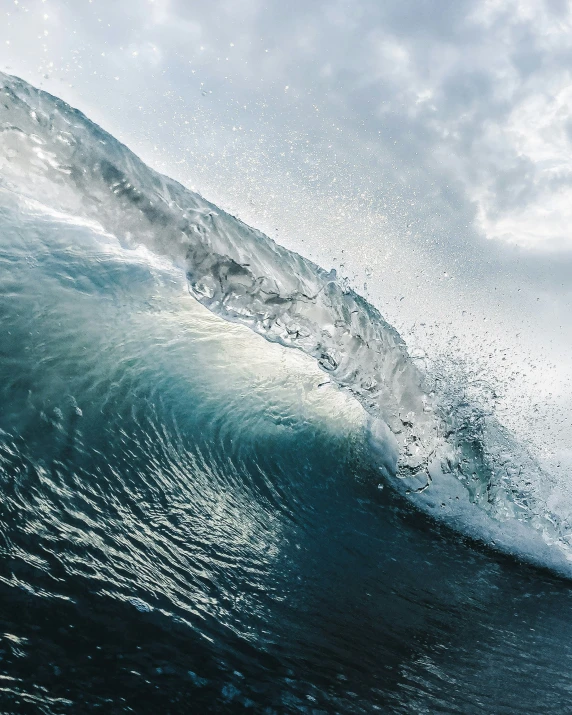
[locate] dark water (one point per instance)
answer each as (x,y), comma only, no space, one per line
(192,519)
(180,534)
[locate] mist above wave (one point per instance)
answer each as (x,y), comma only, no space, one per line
(435,443)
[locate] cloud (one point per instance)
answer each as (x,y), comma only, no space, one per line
(473,95)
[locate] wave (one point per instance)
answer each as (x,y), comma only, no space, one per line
(445,451)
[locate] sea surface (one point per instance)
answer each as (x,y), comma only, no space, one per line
(226,486)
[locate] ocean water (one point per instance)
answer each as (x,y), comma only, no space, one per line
(226,484)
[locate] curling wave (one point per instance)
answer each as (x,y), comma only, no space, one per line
(448,454)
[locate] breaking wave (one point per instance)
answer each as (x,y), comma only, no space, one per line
(446,452)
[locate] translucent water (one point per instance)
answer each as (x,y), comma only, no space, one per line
(439,437)
(197,518)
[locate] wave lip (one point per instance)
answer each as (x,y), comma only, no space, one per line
(448,454)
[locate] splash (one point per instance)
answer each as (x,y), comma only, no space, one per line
(445,451)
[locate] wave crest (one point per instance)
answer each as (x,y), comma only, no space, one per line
(447,451)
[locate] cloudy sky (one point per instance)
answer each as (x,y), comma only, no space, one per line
(422,147)
(467,103)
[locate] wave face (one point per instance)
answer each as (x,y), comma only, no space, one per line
(226,498)
(437,438)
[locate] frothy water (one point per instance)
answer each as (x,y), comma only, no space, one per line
(263,504)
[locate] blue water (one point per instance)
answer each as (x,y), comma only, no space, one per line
(197,518)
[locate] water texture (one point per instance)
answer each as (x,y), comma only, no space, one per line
(194,517)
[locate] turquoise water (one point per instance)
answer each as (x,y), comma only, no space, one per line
(197,518)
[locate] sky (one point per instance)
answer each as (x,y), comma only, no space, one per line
(471,99)
(423,148)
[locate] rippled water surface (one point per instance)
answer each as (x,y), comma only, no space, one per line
(193,518)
